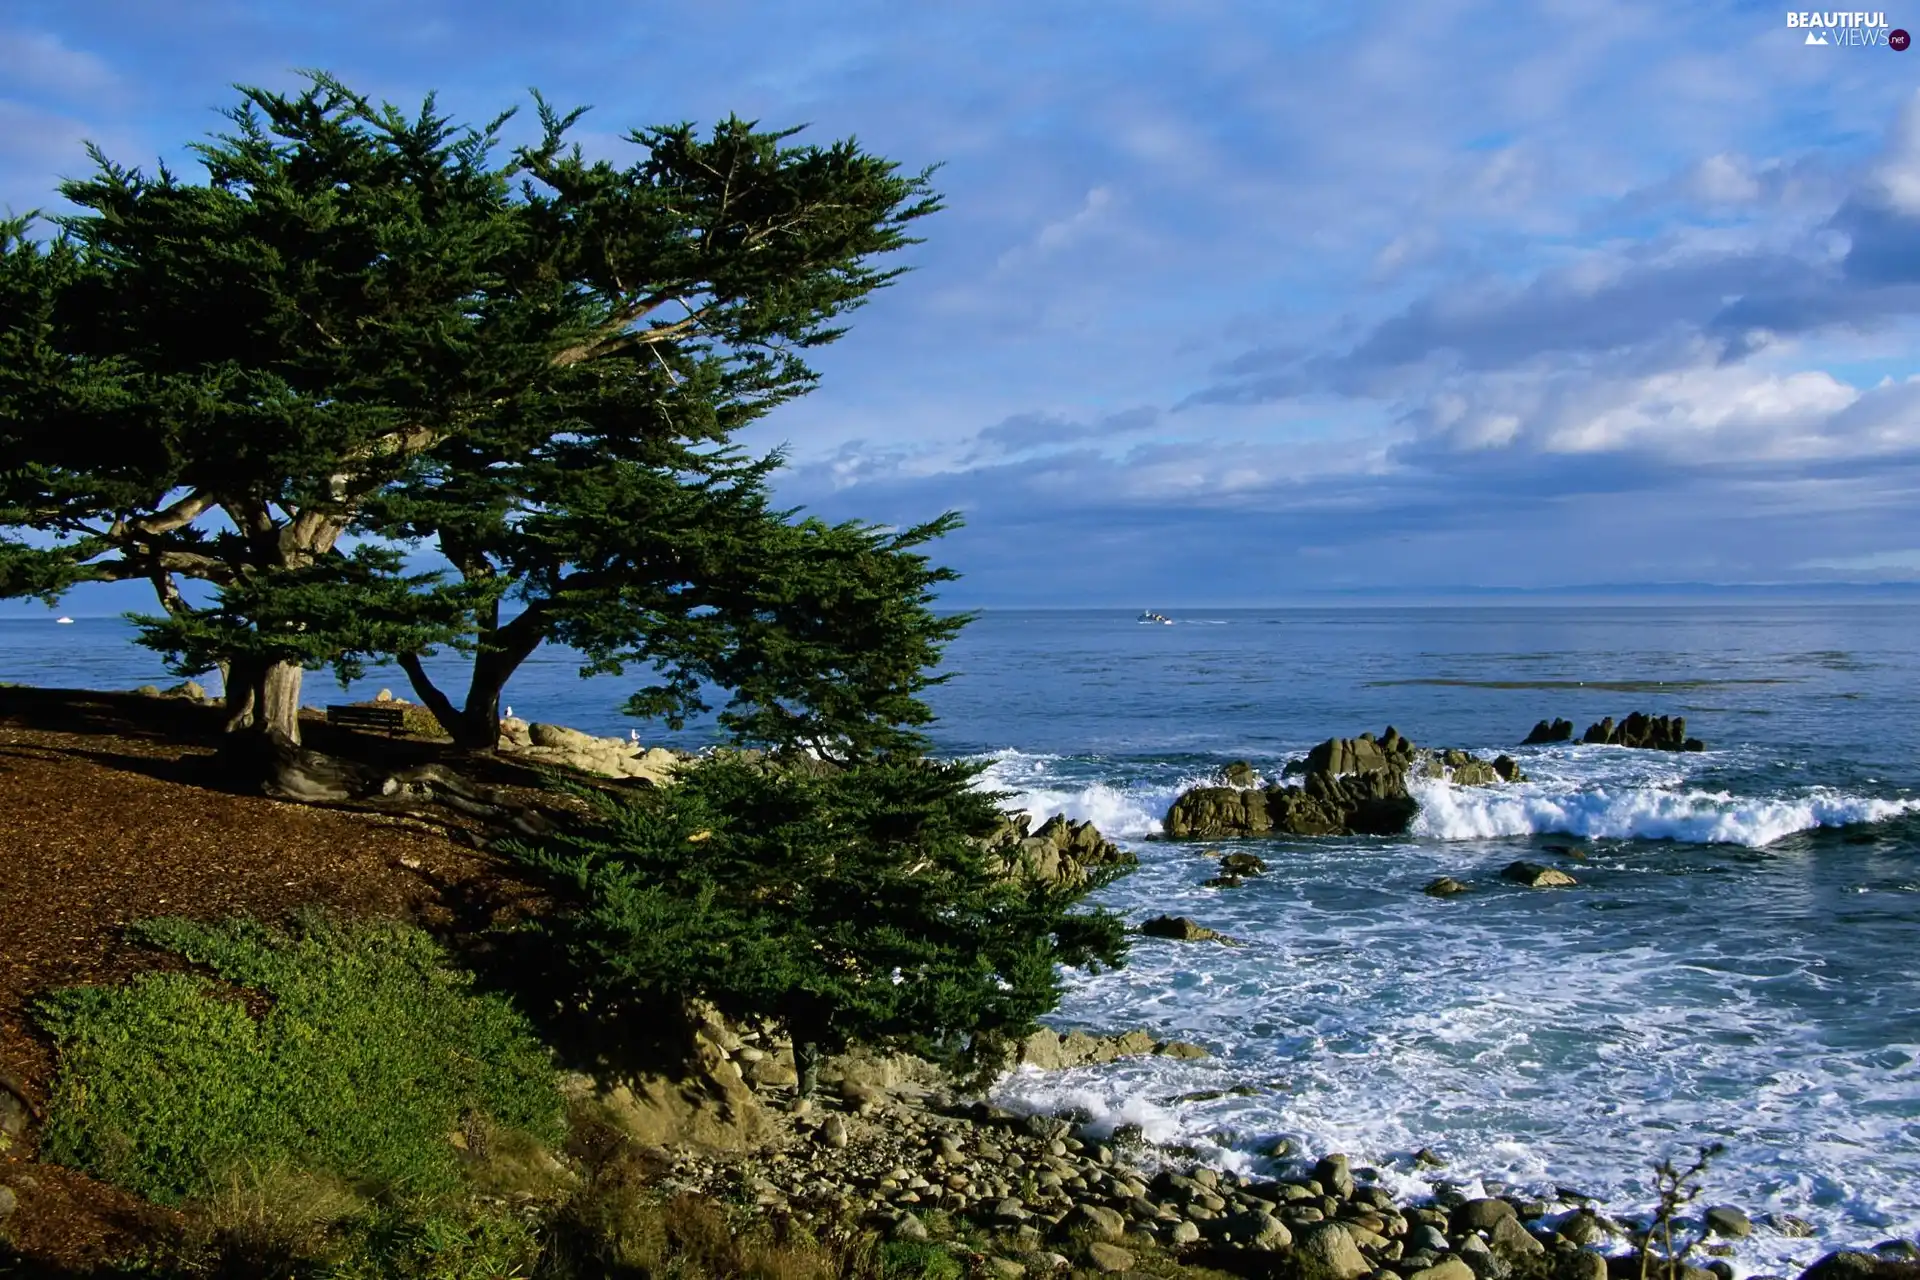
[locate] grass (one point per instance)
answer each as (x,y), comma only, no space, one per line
(351,1052)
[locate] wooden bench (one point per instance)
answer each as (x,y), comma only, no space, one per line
(386,716)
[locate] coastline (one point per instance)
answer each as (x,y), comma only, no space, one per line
(1042,1191)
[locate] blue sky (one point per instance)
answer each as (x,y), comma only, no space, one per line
(1237,302)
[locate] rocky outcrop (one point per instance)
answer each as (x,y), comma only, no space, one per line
(1648,733)
(604,757)
(1060,852)
(1350,786)
(1549,731)
(1048,1050)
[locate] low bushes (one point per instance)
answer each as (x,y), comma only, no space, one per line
(352,1052)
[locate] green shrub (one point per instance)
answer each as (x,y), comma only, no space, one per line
(369,1056)
(851,903)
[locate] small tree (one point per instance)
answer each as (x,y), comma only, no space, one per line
(1676,1188)
(849,903)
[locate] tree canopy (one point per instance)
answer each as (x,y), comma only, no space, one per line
(362,322)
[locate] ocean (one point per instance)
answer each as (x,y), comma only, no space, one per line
(1739,962)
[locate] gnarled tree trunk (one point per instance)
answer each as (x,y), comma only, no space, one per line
(264,698)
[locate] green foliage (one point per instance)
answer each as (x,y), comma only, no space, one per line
(369,1055)
(821,635)
(919,1260)
(853,903)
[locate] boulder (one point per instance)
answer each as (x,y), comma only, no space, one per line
(1445,1269)
(1849,1264)
(1725,1220)
(1445,887)
(1110,1259)
(1481,1215)
(1327,1252)
(1535,876)
(1095,1221)
(1549,731)
(560,737)
(1335,1174)
(1513,1241)
(1239,774)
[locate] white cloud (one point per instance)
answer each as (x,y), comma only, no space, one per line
(1061,232)
(41,60)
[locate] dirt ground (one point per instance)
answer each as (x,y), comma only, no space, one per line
(110,813)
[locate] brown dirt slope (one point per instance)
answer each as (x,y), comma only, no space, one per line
(107,815)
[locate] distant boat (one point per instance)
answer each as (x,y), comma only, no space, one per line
(1151,616)
(65,621)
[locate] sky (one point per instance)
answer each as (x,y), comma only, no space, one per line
(1238,303)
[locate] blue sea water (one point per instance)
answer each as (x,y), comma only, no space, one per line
(1740,962)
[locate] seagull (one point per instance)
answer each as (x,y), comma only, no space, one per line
(633,736)
(509,713)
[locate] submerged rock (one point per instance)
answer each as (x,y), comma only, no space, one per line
(1536,876)
(1183,929)
(1445,887)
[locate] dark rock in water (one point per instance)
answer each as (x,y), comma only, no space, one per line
(1183,929)
(1850,1264)
(1644,732)
(1222,882)
(1549,731)
(1508,768)
(1535,876)
(1565,851)
(1788,1225)
(1241,864)
(1238,774)
(1351,786)
(1445,887)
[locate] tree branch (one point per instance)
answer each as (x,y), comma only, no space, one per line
(179,515)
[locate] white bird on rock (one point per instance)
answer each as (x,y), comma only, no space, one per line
(509,713)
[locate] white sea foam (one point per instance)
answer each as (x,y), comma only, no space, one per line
(1537,1039)
(1448,812)
(1043,785)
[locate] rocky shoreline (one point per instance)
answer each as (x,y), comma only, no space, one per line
(893,1142)
(898,1144)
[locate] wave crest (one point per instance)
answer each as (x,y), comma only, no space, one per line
(1448,812)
